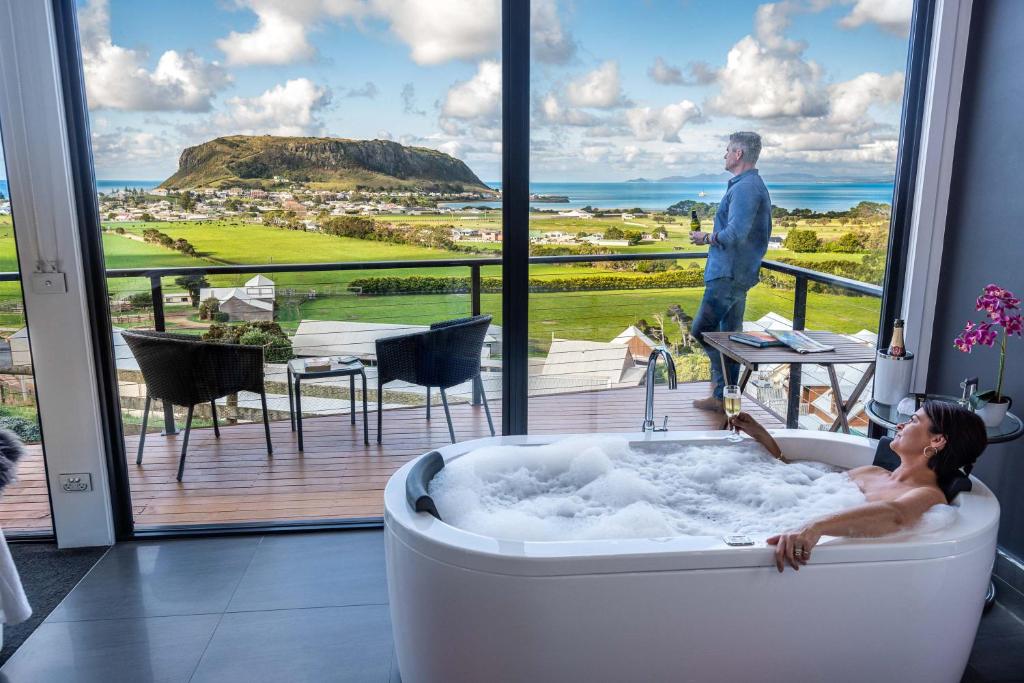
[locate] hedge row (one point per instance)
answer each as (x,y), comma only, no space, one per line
(419,284)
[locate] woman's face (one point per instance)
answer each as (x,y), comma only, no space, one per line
(914,435)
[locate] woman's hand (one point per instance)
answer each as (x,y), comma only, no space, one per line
(743,422)
(794,547)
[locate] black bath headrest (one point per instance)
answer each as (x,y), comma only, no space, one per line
(887,459)
(418,480)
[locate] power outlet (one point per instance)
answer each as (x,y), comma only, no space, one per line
(76,483)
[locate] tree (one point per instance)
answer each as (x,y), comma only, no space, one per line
(147,217)
(192,284)
(684,320)
(187,200)
(849,243)
(802,241)
(634,236)
(208,308)
(614,233)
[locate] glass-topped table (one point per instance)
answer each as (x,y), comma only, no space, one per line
(889,416)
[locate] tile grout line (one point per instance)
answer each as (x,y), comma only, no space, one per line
(60,604)
(220,619)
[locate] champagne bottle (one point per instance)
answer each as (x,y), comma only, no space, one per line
(897,347)
(694,222)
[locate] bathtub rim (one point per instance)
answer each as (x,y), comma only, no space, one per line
(974,528)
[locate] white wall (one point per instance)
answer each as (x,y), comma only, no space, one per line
(42,199)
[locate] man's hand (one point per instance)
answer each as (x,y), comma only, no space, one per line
(698,237)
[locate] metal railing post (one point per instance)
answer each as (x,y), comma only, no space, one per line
(160,324)
(799,321)
(474,307)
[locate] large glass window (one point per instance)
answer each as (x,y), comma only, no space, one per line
(270,134)
(632,107)
(25,501)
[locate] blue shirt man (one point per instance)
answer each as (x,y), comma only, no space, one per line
(743,223)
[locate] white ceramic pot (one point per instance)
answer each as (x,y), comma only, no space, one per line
(992,414)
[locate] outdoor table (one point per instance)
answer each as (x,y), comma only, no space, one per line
(297,372)
(847,352)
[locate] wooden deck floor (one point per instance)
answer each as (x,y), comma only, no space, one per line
(231,479)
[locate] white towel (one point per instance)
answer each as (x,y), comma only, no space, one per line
(14,607)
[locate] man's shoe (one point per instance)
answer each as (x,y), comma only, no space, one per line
(710,403)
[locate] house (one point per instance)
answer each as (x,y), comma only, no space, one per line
(239,305)
(573,365)
(775,242)
(575,213)
(640,345)
(252,301)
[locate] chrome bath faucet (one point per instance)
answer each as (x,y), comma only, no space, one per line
(652,362)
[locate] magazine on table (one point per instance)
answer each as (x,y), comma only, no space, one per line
(758,340)
(800,342)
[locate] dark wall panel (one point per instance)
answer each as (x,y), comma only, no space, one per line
(985,236)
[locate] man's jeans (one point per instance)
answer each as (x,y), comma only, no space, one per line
(721,310)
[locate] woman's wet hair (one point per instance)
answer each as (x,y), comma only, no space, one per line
(966,438)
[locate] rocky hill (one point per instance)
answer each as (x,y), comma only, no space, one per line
(320,163)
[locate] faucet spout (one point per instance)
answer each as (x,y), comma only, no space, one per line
(670,366)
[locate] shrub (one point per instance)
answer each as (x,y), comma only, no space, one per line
(219,317)
(277,347)
(802,241)
(419,284)
(27,430)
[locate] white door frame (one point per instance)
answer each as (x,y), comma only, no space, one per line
(43,206)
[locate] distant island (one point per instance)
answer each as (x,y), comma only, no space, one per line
(787,177)
(336,164)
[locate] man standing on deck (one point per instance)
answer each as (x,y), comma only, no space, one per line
(743,223)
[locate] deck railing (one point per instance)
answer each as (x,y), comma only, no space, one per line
(802,278)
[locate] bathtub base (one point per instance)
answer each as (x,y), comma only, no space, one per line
(882,621)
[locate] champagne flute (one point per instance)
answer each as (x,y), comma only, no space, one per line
(733,401)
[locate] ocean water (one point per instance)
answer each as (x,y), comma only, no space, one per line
(101,185)
(822,196)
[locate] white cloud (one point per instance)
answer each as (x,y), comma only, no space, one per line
(552,111)
(850,100)
(116,77)
(891,15)
(599,89)
(664,73)
(477,98)
(439,31)
(368,90)
(281,27)
(130,147)
(550,43)
(286,109)
(662,124)
(766,76)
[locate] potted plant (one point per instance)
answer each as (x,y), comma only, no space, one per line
(1002,308)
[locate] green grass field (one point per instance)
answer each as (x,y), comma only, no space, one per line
(596,316)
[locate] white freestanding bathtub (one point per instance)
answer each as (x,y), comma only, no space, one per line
(467,608)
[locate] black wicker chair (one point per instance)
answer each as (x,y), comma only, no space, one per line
(444,356)
(184,371)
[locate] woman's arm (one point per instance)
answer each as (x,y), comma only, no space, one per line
(747,424)
(870,519)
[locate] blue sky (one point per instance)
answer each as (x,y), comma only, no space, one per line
(620,89)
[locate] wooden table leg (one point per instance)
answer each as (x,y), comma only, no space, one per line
(838,396)
(852,400)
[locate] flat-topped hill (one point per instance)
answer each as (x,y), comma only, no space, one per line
(320,163)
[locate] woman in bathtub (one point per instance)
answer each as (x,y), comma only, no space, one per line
(933,445)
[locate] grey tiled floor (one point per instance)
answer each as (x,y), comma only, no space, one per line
(305,607)
(288,609)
